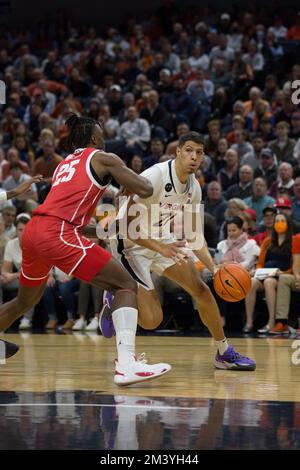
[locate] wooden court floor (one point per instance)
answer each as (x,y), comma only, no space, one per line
(50,362)
(58,393)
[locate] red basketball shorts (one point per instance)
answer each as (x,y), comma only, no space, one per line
(49,241)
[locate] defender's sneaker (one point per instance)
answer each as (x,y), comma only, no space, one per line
(138,370)
(105,318)
(233,360)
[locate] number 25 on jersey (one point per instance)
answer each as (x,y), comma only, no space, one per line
(65,172)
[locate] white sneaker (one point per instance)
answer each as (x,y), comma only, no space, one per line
(25,324)
(138,370)
(93,325)
(80,324)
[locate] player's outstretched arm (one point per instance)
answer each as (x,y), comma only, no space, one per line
(23,187)
(109,163)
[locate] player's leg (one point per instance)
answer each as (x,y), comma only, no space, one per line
(149,307)
(188,278)
(26,299)
(114,278)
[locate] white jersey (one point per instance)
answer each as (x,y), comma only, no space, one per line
(169,198)
(169,195)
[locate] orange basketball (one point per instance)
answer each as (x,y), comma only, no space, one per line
(232,282)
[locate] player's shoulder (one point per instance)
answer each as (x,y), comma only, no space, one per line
(157,169)
(107,158)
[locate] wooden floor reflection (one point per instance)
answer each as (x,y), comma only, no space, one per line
(51,362)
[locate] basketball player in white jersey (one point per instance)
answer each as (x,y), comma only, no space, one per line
(174,186)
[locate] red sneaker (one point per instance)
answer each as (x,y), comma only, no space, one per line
(279,329)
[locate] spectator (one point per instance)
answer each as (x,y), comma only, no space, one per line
(275,253)
(11,268)
(241,146)
(284,206)
(251,158)
(135,133)
(286,284)
(296,200)
(259,199)
(215,203)
(157,151)
(268,222)
(229,175)
(243,188)
(136,164)
(285,181)
(46,166)
(267,168)
(28,201)
(157,116)
(60,285)
(13,157)
(9,215)
(87,292)
(283,146)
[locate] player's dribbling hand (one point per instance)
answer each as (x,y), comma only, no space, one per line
(174,251)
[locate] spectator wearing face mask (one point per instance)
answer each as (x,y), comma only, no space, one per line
(275,252)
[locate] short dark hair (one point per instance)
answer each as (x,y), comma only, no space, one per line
(193,136)
(236,220)
(22,220)
(80,130)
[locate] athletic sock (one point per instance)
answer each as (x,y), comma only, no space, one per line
(125,323)
(222,346)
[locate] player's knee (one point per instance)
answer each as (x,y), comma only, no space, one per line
(201,290)
(130,285)
(150,322)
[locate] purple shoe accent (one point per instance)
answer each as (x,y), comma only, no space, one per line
(105,318)
(233,361)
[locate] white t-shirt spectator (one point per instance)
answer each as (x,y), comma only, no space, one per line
(13,253)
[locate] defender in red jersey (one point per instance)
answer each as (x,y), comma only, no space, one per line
(53,238)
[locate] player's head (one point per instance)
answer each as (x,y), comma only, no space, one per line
(84,132)
(190,151)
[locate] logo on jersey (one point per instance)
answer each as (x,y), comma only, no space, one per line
(168,187)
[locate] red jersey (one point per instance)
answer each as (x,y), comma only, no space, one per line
(75,191)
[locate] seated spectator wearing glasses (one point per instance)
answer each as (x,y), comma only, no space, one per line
(26,202)
(284,205)
(285,181)
(275,252)
(286,284)
(267,167)
(267,227)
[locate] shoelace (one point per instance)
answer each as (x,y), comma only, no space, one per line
(142,358)
(235,355)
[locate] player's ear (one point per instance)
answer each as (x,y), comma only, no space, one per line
(177,151)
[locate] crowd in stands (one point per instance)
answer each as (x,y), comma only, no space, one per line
(227,75)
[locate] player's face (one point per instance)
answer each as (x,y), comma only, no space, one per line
(97,137)
(191,156)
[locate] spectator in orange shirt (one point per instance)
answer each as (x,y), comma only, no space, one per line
(286,284)
(275,252)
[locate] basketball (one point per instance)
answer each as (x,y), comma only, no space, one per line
(232,282)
